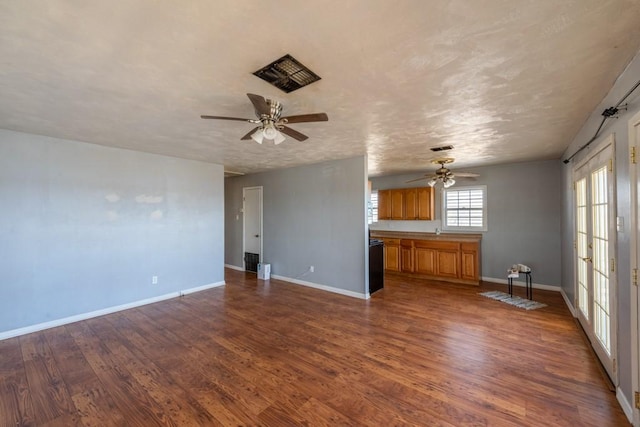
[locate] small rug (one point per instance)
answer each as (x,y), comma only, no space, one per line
(527,304)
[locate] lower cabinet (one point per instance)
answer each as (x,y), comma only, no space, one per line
(392,254)
(470,262)
(406,255)
(448,259)
(436,259)
(425,257)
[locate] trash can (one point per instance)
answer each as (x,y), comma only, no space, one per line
(264,271)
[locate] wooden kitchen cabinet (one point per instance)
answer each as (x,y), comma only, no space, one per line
(392,254)
(436,258)
(406,204)
(425,257)
(448,262)
(406,256)
(470,261)
(384,204)
(411,203)
(425,203)
(397,204)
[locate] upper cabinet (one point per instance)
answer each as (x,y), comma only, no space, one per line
(425,203)
(384,204)
(397,204)
(406,204)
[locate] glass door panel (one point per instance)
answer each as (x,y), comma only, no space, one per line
(594,222)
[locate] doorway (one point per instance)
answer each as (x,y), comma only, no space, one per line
(634,177)
(252,227)
(594,260)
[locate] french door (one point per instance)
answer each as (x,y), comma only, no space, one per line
(634,175)
(595,253)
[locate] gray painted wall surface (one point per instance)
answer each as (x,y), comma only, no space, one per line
(85,227)
(524,223)
(618,127)
(313,215)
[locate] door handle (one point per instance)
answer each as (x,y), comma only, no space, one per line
(586,259)
(257,235)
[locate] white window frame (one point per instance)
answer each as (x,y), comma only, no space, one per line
(372,207)
(445,226)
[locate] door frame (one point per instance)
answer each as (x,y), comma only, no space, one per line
(634,176)
(609,141)
(244,222)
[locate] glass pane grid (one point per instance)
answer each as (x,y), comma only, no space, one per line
(600,236)
(464,208)
(581,246)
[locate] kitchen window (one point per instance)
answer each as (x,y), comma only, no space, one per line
(372,208)
(465,208)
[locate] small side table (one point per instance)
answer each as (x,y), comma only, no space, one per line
(528,283)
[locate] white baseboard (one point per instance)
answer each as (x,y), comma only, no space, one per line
(234,267)
(569,304)
(518,283)
(84,316)
(321,287)
(202,288)
(625,404)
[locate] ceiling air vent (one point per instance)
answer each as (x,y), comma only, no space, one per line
(287,74)
(443,148)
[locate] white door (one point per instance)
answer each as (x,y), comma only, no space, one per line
(595,254)
(252,228)
(634,144)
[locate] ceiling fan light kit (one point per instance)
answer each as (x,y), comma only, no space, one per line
(271,125)
(444,174)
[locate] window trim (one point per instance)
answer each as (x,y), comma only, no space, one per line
(443,199)
(372,207)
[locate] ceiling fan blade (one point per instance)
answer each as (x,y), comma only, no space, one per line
(424,177)
(301,118)
(292,133)
(465,175)
(225,118)
(251,132)
(260,104)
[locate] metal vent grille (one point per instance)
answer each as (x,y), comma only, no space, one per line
(287,74)
(443,148)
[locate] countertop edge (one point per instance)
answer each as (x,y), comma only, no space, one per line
(417,235)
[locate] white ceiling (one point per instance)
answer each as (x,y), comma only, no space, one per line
(500,80)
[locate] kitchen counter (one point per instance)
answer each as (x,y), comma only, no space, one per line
(452,257)
(417,235)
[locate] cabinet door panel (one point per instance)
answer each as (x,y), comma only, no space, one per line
(397,204)
(406,255)
(411,204)
(448,264)
(425,203)
(425,260)
(384,204)
(392,257)
(469,265)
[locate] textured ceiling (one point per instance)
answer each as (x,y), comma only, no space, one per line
(500,80)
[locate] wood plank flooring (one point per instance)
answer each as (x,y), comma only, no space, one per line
(277,354)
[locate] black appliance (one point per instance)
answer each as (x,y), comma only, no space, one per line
(376,265)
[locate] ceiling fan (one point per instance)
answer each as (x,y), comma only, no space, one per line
(271,124)
(444,174)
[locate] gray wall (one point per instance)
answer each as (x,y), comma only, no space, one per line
(313,215)
(523,216)
(85,227)
(618,127)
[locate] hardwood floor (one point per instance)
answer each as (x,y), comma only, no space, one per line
(278,354)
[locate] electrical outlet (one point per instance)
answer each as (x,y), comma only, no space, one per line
(311,268)
(154,280)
